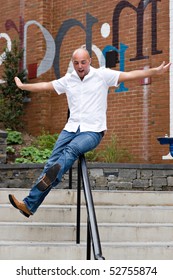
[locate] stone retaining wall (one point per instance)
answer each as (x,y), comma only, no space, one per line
(3,145)
(103,176)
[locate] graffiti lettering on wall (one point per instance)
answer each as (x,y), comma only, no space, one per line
(140,25)
(109,53)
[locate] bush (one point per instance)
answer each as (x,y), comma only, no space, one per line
(11,97)
(92,155)
(14,137)
(40,151)
(46,141)
(113,152)
(32,154)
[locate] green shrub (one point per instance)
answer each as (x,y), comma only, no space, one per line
(32,154)
(39,151)
(11,97)
(14,137)
(10,150)
(113,152)
(92,155)
(46,141)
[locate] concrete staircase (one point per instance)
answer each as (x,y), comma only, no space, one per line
(132,225)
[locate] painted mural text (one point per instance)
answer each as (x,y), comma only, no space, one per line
(53,46)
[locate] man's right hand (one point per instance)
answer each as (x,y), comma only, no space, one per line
(18,82)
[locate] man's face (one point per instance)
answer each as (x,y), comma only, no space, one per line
(81,62)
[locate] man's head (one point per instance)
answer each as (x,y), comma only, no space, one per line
(81,62)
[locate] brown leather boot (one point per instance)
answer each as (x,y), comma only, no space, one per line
(20,205)
(48,178)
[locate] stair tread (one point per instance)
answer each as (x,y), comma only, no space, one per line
(64,196)
(73,224)
(70,243)
(5,205)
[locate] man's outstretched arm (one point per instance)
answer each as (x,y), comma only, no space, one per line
(36,87)
(141,74)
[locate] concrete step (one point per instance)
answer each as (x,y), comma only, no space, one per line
(138,251)
(107,214)
(109,232)
(18,250)
(71,251)
(132,225)
(68,197)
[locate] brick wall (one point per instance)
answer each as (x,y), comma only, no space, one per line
(137,116)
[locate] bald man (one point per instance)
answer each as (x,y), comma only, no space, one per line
(86,89)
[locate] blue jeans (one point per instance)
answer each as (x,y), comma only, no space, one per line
(68,147)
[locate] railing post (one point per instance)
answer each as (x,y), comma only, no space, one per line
(78,203)
(70,170)
(70,178)
(88,256)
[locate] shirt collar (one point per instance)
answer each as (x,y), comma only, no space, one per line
(87,76)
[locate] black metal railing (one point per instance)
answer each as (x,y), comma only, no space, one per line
(92,227)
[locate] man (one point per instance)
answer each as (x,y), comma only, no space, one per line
(86,89)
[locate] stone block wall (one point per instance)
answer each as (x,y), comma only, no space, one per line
(3,145)
(133,177)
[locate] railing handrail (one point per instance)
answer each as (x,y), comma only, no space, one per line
(92,221)
(92,227)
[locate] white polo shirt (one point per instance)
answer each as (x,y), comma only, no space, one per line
(87,98)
